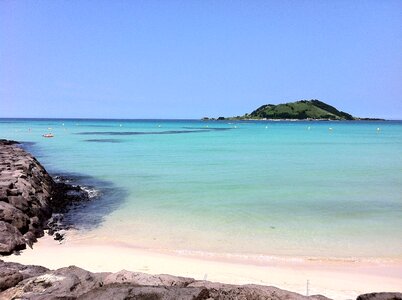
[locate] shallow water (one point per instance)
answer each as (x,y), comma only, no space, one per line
(262,188)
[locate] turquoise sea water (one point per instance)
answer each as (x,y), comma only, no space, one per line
(260,188)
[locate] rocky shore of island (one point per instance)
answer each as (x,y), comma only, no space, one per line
(31,201)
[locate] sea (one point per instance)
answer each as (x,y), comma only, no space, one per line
(315,189)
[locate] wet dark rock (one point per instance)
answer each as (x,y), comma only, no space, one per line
(8,142)
(58,236)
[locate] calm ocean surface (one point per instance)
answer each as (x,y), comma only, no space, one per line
(248,188)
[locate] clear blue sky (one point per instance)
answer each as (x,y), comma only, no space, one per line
(189,59)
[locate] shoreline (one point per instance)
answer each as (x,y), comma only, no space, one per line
(77,236)
(333,279)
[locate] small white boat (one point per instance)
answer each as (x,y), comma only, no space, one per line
(48,135)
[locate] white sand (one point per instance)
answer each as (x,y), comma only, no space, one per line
(334,279)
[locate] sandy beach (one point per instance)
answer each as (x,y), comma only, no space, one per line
(333,279)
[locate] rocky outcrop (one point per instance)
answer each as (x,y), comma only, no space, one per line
(28,196)
(12,273)
(33,282)
(380,296)
(25,192)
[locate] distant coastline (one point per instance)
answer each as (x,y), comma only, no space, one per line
(292,120)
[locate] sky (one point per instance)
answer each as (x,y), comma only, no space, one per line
(190,59)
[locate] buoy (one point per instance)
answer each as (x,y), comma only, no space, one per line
(330,128)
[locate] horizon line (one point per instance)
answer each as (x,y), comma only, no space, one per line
(171,119)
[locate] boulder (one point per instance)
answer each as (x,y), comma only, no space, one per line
(19,202)
(64,283)
(250,291)
(123,291)
(12,273)
(14,216)
(10,238)
(9,278)
(138,278)
(26,271)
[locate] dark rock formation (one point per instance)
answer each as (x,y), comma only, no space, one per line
(380,296)
(33,282)
(28,196)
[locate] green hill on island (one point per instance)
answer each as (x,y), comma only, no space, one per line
(300,110)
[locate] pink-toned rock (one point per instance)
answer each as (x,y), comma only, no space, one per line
(147,279)
(76,283)
(9,278)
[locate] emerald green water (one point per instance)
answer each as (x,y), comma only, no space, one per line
(249,188)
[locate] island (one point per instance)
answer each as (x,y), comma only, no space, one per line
(314,110)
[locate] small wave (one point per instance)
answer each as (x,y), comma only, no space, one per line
(236,256)
(91,191)
(263,258)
